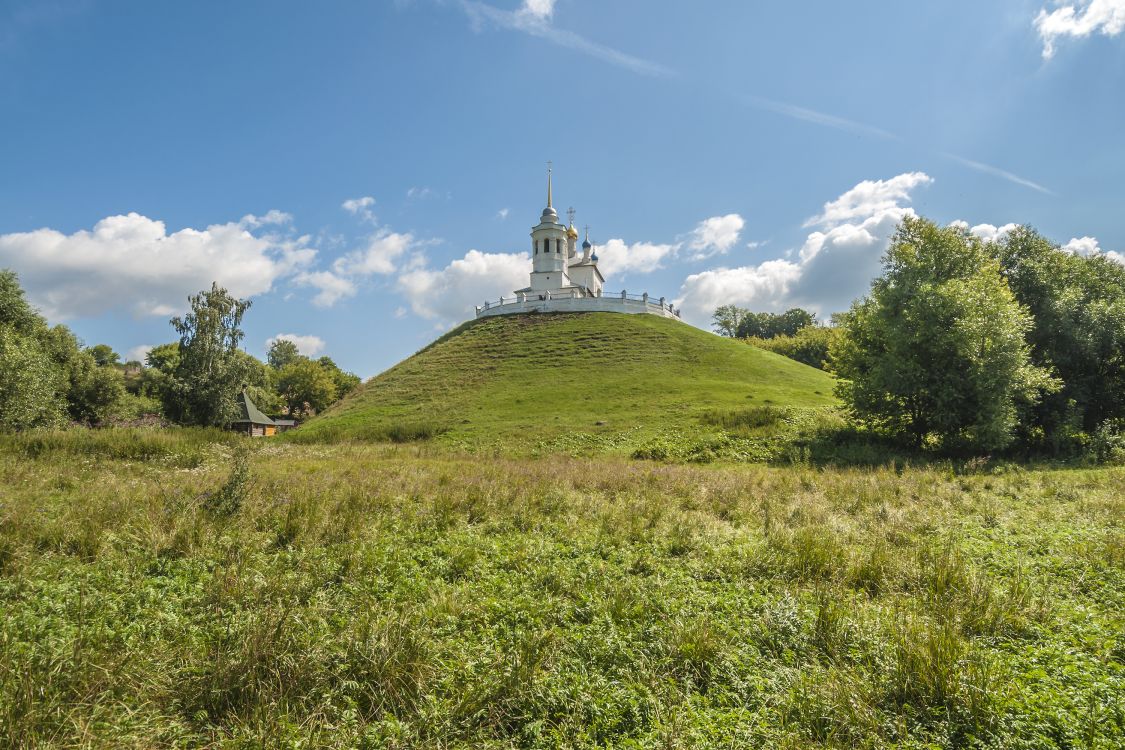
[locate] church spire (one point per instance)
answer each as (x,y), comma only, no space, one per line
(549,169)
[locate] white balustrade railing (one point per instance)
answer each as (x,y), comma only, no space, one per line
(542,300)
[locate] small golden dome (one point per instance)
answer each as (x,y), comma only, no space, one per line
(571,232)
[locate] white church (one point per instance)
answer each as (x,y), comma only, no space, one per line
(563,281)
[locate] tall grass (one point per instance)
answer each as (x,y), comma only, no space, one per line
(391,596)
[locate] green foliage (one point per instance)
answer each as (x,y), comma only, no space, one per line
(769,325)
(95,392)
(29,387)
(389,596)
(346,382)
(810,345)
(281,353)
(44,373)
(726,318)
(201,390)
(938,350)
(1078,305)
(305,386)
(103,355)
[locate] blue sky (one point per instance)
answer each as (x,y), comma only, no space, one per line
(366,172)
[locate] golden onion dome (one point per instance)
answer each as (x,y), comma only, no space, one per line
(571,232)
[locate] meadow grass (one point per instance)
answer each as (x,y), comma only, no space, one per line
(268,594)
(527,384)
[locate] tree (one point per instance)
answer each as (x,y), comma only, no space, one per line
(346,382)
(282,352)
(937,350)
(104,355)
(766,325)
(306,387)
(45,375)
(810,345)
(95,392)
(1078,305)
(725,320)
(29,387)
(209,374)
(32,382)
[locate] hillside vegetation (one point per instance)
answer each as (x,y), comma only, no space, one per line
(159,590)
(603,381)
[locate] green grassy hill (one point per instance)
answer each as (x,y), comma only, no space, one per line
(587,382)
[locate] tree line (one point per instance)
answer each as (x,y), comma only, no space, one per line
(962,344)
(48,378)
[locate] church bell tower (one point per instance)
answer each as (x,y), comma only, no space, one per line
(549,248)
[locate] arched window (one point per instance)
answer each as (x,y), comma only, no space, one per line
(558,246)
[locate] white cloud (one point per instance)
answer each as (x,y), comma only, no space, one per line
(1079,20)
(381,256)
(138,353)
(452,293)
(534,16)
(132,263)
(992,233)
(868,198)
(715,235)
(538,9)
(618,257)
(331,288)
(834,265)
(420,193)
(273,217)
(1088,247)
(360,207)
(308,345)
(502,214)
(1082,246)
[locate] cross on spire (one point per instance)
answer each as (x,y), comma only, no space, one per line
(570,215)
(549,170)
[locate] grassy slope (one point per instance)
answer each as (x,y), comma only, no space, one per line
(532,378)
(396,597)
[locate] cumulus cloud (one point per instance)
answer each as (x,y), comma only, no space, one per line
(1082,246)
(450,294)
(715,235)
(992,233)
(869,198)
(360,207)
(330,287)
(618,257)
(834,265)
(306,344)
(1088,247)
(1079,20)
(131,262)
(381,255)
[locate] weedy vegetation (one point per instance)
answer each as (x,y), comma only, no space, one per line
(180,589)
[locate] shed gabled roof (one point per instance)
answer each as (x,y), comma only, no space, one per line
(249,413)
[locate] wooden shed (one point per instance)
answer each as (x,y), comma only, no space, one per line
(251,420)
